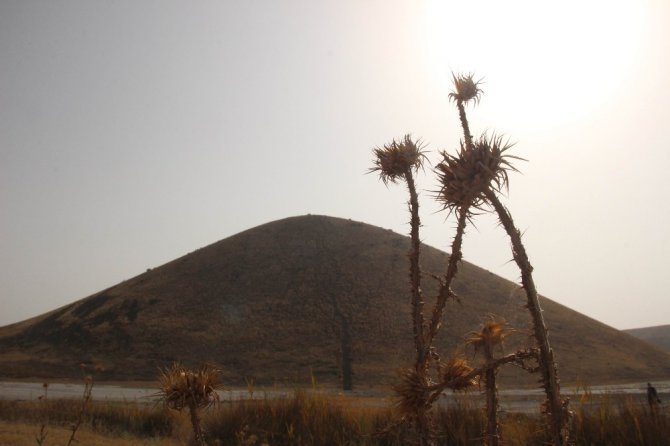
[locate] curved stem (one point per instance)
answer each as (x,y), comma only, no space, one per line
(454,257)
(546,357)
(445,287)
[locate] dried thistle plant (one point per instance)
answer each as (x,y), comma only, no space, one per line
(399,160)
(41,437)
(465,88)
(395,160)
(469,181)
(456,374)
(457,175)
(465,178)
(476,175)
(89,380)
(556,407)
(412,392)
(491,335)
(412,402)
(182,388)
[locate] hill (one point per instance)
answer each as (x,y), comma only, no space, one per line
(309,295)
(658,336)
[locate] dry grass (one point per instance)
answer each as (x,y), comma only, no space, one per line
(23,434)
(106,418)
(182,388)
(323,419)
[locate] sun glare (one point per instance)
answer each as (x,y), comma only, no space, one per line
(554,62)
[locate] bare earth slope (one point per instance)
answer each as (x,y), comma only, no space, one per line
(300,296)
(658,336)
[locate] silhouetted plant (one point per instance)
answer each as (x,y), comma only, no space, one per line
(43,433)
(399,160)
(184,388)
(469,182)
(555,407)
(89,380)
(491,335)
(479,173)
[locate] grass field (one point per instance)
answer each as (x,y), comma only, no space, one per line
(310,418)
(24,434)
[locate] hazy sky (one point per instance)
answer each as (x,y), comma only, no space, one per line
(134,132)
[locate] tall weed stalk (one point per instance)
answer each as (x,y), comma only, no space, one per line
(469,181)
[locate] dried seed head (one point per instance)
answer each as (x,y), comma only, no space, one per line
(465,88)
(181,387)
(465,177)
(412,392)
(455,373)
(396,159)
(491,334)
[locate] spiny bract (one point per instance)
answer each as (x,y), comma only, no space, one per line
(466,88)
(394,160)
(465,177)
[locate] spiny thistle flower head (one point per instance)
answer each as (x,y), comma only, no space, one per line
(466,177)
(465,88)
(395,159)
(181,387)
(455,372)
(491,334)
(412,392)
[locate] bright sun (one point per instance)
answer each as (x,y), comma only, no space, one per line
(554,62)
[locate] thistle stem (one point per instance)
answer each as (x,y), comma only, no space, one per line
(456,252)
(422,420)
(492,428)
(464,123)
(415,271)
(452,268)
(546,355)
(195,422)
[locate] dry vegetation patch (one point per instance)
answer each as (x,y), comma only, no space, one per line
(14,433)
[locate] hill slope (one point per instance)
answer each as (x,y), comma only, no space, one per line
(304,295)
(658,336)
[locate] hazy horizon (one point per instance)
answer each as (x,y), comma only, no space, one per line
(132,133)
